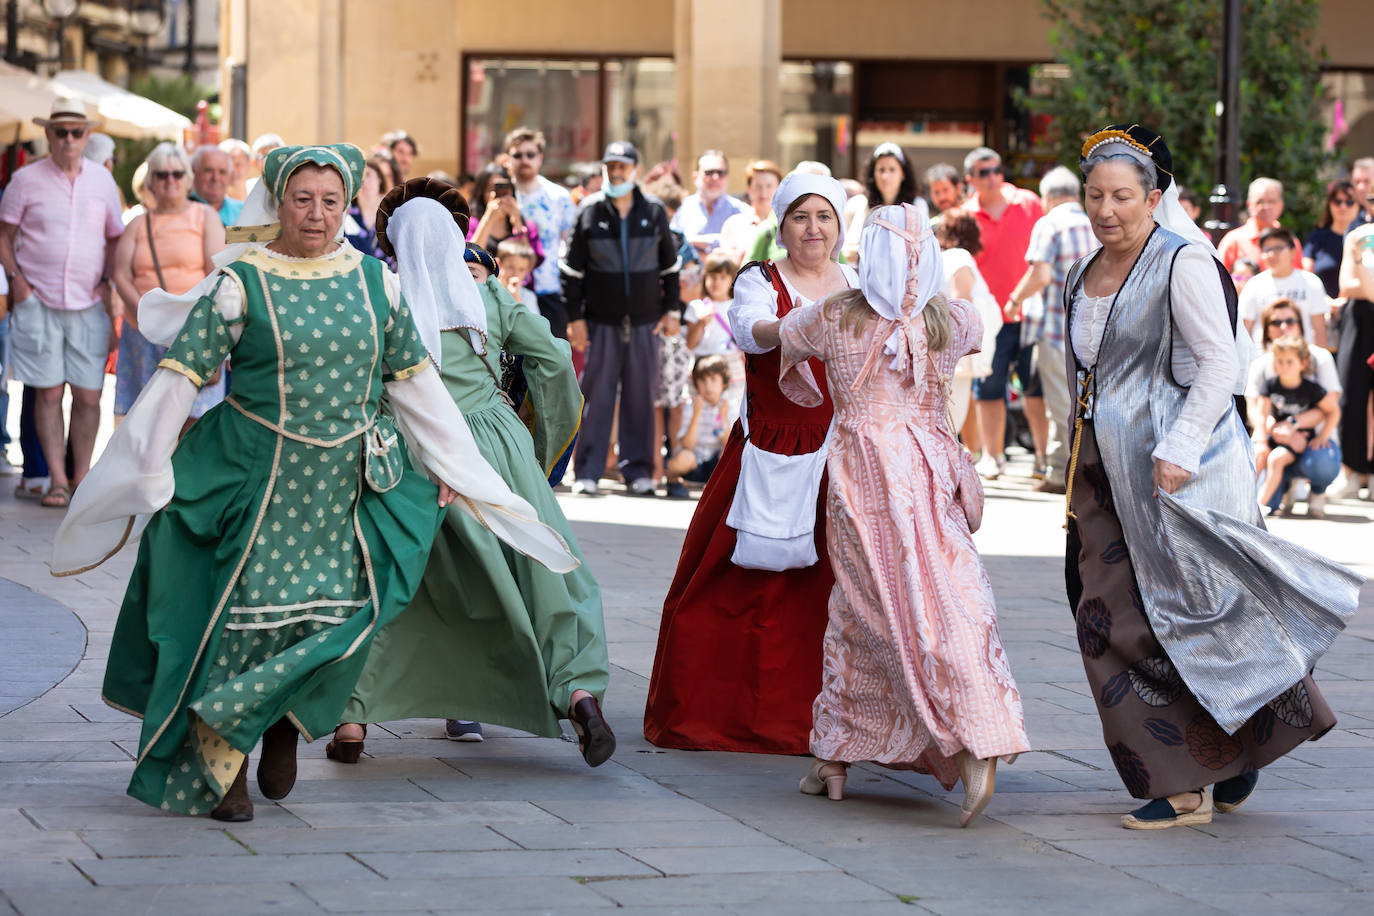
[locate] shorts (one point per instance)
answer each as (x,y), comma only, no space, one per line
(49,347)
(702,472)
(1007,353)
(675,363)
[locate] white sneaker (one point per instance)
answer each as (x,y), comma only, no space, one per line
(1316,505)
(642,486)
(1351,489)
(586,486)
(1301,489)
(990,468)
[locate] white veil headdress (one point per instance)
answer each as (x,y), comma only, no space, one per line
(900,268)
(435,281)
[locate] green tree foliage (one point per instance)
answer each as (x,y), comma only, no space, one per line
(1157,62)
(179,93)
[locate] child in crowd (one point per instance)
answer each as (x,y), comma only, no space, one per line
(703,433)
(708,319)
(1290,411)
(516,259)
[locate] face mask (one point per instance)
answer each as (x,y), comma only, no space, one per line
(617,190)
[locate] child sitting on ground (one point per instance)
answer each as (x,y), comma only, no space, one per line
(708,319)
(516,260)
(705,430)
(1290,410)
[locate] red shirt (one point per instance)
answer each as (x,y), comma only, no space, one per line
(1002,262)
(1243,242)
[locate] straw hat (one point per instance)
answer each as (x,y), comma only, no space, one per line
(66,111)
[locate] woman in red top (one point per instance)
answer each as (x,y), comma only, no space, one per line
(739,649)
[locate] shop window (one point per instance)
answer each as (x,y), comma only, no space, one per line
(578,104)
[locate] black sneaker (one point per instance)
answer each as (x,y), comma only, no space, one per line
(458,730)
(677,490)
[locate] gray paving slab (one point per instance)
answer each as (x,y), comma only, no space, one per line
(600,863)
(201,899)
(519,824)
(466,895)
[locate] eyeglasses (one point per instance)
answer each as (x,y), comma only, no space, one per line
(987,172)
(525,154)
(1282,322)
(62,133)
(714,173)
(1274,251)
(169,176)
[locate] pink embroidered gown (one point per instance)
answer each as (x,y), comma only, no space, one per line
(914,668)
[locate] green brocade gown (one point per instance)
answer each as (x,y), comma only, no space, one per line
(492,635)
(260,585)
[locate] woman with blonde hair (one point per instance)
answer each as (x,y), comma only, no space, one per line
(915,676)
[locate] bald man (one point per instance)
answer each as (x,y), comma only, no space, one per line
(1264,202)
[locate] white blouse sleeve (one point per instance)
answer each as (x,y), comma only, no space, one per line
(439,437)
(133,478)
(1205,357)
(755,301)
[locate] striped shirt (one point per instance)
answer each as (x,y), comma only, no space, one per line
(1058,238)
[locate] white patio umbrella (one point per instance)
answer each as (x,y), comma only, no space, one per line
(24,95)
(125,113)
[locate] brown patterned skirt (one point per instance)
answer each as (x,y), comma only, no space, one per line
(1161,739)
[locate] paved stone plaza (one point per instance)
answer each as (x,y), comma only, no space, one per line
(520,824)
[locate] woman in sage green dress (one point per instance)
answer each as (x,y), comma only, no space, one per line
(286,527)
(489,634)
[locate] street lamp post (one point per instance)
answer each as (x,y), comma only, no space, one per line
(1225,198)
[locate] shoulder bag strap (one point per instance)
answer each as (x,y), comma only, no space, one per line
(152,249)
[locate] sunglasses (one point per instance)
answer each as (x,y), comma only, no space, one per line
(714,173)
(987,172)
(525,155)
(62,133)
(169,176)
(1282,322)
(1343,201)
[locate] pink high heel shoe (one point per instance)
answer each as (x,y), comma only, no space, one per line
(825,776)
(979,778)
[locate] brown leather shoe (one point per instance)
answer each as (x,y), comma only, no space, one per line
(277,767)
(236,806)
(594,735)
(1049,486)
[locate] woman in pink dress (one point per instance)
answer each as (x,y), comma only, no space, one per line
(915,676)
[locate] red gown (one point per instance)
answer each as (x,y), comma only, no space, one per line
(738,664)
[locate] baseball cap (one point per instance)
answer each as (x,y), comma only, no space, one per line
(621,151)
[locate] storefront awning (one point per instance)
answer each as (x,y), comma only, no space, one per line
(24,95)
(125,114)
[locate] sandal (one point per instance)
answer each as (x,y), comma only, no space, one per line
(56,498)
(345,750)
(1160,814)
(1230,794)
(28,491)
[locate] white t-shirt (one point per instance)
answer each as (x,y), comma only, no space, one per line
(1304,288)
(712,425)
(529,300)
(716,338)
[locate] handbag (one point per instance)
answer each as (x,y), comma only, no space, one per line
(383,460)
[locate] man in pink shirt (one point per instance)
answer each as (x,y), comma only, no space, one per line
(1006,215)
(1264,202)
(58,218)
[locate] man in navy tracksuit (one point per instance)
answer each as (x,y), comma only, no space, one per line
(620,284)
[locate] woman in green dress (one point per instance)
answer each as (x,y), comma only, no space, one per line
(287,527)
(489,634)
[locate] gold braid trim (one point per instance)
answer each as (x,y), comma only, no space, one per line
(1077,443)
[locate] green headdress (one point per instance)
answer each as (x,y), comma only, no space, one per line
(345,158)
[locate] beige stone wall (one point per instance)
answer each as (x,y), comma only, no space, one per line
(326,70)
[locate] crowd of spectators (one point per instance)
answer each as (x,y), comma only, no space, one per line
(635,269)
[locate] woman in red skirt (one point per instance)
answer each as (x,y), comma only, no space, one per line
(739,647)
